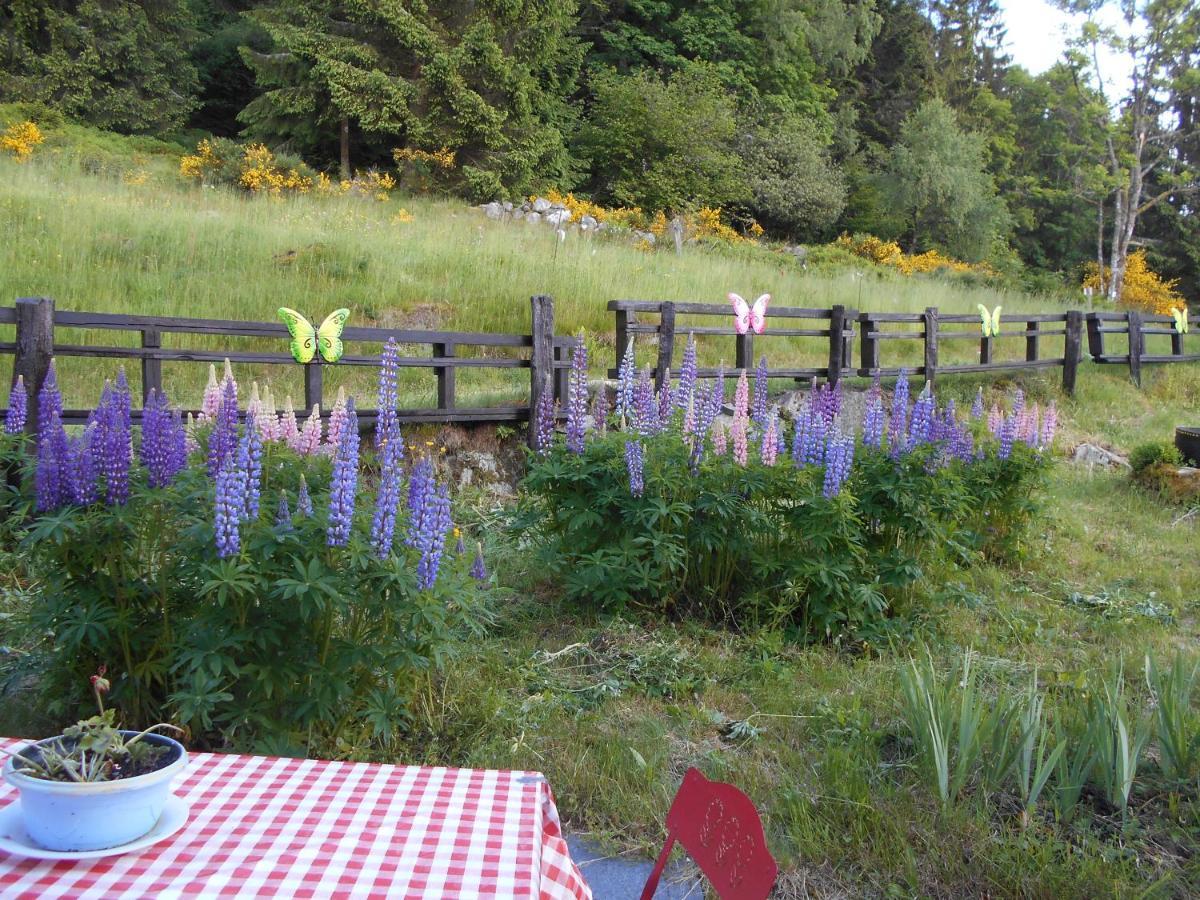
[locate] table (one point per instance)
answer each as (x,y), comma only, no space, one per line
(298,828)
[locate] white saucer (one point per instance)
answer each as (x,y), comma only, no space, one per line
(14,840)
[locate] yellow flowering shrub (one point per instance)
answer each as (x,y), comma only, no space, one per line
(1143,287)
(402,216)
(369,184)
(260,174)
(704,223)
(438,159)
(201,165)
(888,253)
(20,139)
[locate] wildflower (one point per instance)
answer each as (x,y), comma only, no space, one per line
(839,454)
(420,484)
(435,524)
(666,401)
(478,569)
(921,424)
(645,410)
(740,420)
(1018,403)
(873,420)
(626,377)
(600,411)
(577,397)
(79,470)
(283,513)
(543,435)
(898,421)
(49,479)
(770,443)
(995,420)
(718,439)
(1007,435)
(289,430)
(344,481)
(635,461)
(228,382)
(1031,428)
(687,375)
(759,407)
(1049,425)
(977,405)
(337,419)
(228,510)
(308,441)
(112,444)
(18,406)
(304,507)
(191,444)
(222,440)
(250,453)
(459,546)
(161,440)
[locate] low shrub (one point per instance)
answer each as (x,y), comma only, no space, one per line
(1146,455)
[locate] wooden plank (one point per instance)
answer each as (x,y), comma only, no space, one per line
(313,385)
(837,342)
(931,343)
(445,376)
(34,349)
(964,318)
(712,309)
(367,416)
(997,366)
(174,355)
(666,345)
(646,328)
(1072,347)
(899,335)
(815,372)
(8,315)
(1095,336)
(541,371)
(1187,357)
(743,352)
(1136,346)
(868,352)
(151,366)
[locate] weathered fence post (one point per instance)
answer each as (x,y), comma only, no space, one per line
(848,339)
(313,385)
(1095,337)
(930,317)
(445,376)
(666,344)
(1072,345)
(868,348)
(1134,317)
(624,320)
(562,374)
(1031,340)
(1176,340)
(985,348)
(35,349)
(151,368)
(743,353)
(541,360)
(837,342)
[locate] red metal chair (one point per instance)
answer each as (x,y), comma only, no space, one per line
(720,829)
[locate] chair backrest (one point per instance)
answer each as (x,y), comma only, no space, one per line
(720,829)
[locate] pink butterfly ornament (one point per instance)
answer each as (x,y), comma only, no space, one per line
(747,317)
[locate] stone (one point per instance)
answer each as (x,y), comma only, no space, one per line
(493,210)
(1093,455)
(1187,472)
(647,236)
(508,207)
(558,216)
(588,223)
(518,213)
(533,217)
(541,205)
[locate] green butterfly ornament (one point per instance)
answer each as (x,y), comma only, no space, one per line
(989,321)
(306,340)
(1181,319)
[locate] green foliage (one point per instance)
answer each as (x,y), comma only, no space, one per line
(289,638)
(936,181)
(119,65)
(1153,453)
(1117,735)
(1175,720)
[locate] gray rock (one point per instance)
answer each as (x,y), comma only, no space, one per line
(558,216)
(588,223)
(493,210)
(533,217)
(647,236)
(1092,455)
(1187,472)
(541,205)
(508,207)
(518,213)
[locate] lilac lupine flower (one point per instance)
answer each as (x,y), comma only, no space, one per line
(977,405)
(387,498)
(720,445)
(251,459)
(387,425)
(921,424)
(1018,403)
(800,426)
(304,507)
(478,569)
(289,429)
(308,441)
(1032,426)
(770,444)
(600,410)
(687,375)
(577,396)
(738,431)
(1008,435)
(645,409)
(836,398)
(626,377)
(689,418)
(839,455)
(191,443)
(112,444)
(79,473)
(898,421)
(995,420)
(1049,425)
(212,396)
(344,481)
(222,439)
(543,435)
(228,510)
(283,513)
(420,486)
(435,525)
(18,407)
(873,421)
(157,441)
(962,445)
(229,383)
(635,461)
(337,420)
(666,401)
(716,398)
(177,446)
(758,409)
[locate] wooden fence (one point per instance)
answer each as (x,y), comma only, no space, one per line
(931,329)
(35,344)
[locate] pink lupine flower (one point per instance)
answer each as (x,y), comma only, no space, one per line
(1049,425)
(718,438)
(309,440)
(770,443)
(995,419)
(212,396)
(289,431)
(229,379)
(741,409)
(337,417)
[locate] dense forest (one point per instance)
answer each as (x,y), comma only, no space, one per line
(898,118)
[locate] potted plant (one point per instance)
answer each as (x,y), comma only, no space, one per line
(95,786)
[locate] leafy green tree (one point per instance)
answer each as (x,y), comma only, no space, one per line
(897,74)
(116,64)
(936,182)
(226,82)
(488,80)
(662,145)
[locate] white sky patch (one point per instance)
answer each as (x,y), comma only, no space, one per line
(1038,33)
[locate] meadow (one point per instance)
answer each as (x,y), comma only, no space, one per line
(615,711)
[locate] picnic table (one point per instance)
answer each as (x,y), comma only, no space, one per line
(299,828)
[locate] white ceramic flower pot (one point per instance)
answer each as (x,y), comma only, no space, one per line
(72,816)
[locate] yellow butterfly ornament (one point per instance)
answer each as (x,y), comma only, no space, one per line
(989,322)
(1181,319)
(306,340)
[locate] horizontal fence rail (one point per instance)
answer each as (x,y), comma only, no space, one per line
(35,344)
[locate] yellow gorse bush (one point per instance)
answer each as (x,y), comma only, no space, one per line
(261,175)
(888,253)
(704,223)
(438,159)
(202,164)
(20,139)
(1143,287)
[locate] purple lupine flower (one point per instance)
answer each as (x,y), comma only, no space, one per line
(920,425)
(666,401)
(758,409)
(898,421)
(770,444)
(645,409)
(600,410)
(1049,425)
(124,400)
(387,425)
(836,398)
(229,383)
(1032,426)
(716,398)
(635,461)
(689,418)
(228,510)
(157,436)
(344,481)
(434,524)
(839,455)
(977,405)
(577,396)
(626,376)
(460,546)
(18,407)
(252,465)
(112,443)
(707,406)
(808,444)
(222,439)
(304,507)
(1008,435)
(212,396)
(687,375)
(719,439)
(478,569)
(420,486)
(283,513)
(387,498)
(995,420)
(1018,403)
(337,420)
(962,445)
(79,473)
(873,421)
(543,435)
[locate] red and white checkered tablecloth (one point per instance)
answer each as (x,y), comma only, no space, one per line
(298,828)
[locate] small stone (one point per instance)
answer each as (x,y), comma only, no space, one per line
(1092,455)
(508,207)
(493,210)
(558,216)
(541,205)
(533,217)
(588,223)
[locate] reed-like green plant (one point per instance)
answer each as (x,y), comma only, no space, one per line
(1117,738)
(1034,765)
(1175,721)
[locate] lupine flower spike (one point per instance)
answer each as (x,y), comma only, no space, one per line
(344,481)
(635,461)
(577,397)
(687,375)
(478,569)
(304,507)
(18,405)
(977,406)
(283,513)
(212,396)
(759,406)
(627,375)
(770,444)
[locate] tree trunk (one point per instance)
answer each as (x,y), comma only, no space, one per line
(345,148)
